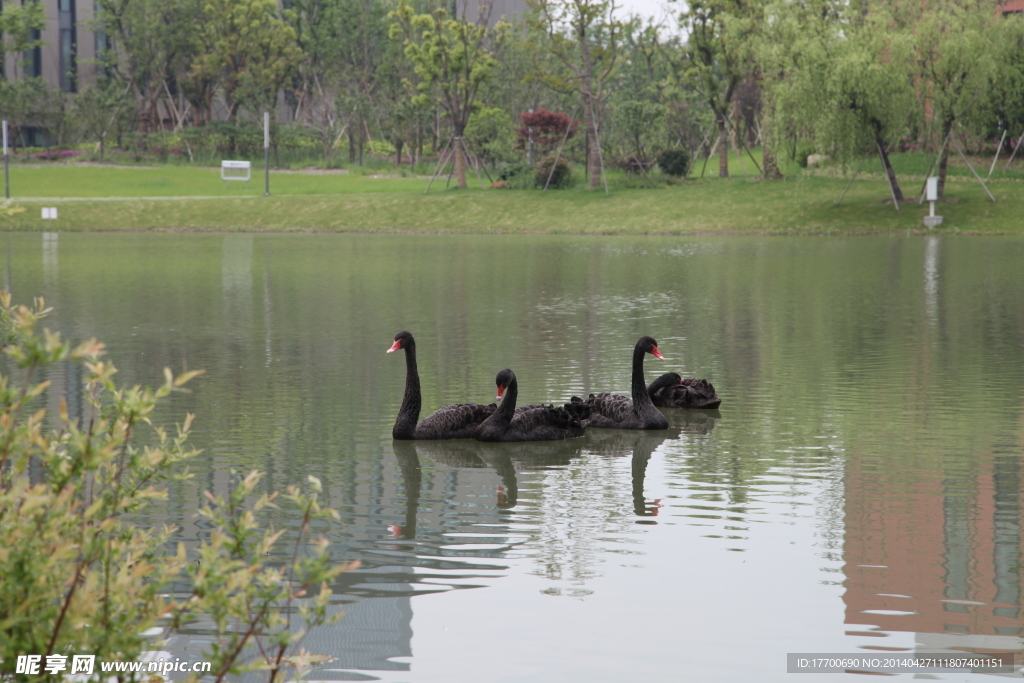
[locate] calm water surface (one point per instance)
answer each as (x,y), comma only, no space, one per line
(859,491)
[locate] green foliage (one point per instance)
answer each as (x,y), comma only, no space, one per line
(639,119)
(79,576)
(101,108)
(517,175)
(18,24)
(674,162)
(451,58)
(7,209)
(581,39)
(21,102)
(248,49)
(559,171)
(491,135)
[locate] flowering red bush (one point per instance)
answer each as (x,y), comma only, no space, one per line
(547,128)
(57,154)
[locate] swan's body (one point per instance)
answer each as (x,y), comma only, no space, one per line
(459,421)
(528,423)
(613,411)
(672,391)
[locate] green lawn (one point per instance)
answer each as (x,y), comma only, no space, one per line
(799,205)
(186,181)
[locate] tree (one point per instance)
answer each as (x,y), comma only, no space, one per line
(150,48)
(19,26)
(961,49)
(583,36)
(80,578)
(452,58)
(842,79)
(545,129)
(247,48)
(640,119)
(20,99)
(101,108)
(716,57)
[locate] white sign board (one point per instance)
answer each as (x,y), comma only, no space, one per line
(235,170)
(50,212)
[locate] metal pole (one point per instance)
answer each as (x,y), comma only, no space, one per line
(7,165)
(996,157)
(266,153)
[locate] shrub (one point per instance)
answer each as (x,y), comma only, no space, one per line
(674,162)
(78,577)
(546,128)
(516,175)
(561,176)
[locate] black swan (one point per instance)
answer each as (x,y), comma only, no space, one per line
(612,411)
(459,421)
(529,423)
(672,391)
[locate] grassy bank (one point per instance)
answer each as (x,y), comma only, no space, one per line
(181,198)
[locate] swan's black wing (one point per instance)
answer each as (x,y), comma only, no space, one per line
(459,421)
(610,411)
(543,423)
(694,393)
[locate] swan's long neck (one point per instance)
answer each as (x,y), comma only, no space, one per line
(495,426)
(641,399)
(508,404)
(409,413)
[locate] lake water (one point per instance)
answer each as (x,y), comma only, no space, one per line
(858,492)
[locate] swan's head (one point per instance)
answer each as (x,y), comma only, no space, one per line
(502,380)
(403,340)
(669,379)
(649,345)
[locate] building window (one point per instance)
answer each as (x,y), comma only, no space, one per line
(33,58)
(68,46)
(102,43)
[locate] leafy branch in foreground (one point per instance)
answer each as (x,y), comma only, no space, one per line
(80,578)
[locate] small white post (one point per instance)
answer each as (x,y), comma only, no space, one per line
(932,195)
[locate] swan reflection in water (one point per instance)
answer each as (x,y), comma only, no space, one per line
(505,458)
(639,446)
(509,458)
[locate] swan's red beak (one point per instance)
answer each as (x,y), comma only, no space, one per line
(501,391)
(397,345)
(656,353)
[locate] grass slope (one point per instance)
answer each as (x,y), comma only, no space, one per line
(353,203)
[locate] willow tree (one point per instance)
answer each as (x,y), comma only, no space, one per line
(845,81)
(451,58)
(717,57)
(962,49)
(583,36)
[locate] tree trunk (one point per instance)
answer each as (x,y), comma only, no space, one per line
(398,153)
(593,148)
(770,170)
(589,117)
(771,165)
(947,126)
(889,172)
(723,151)
(460,164)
